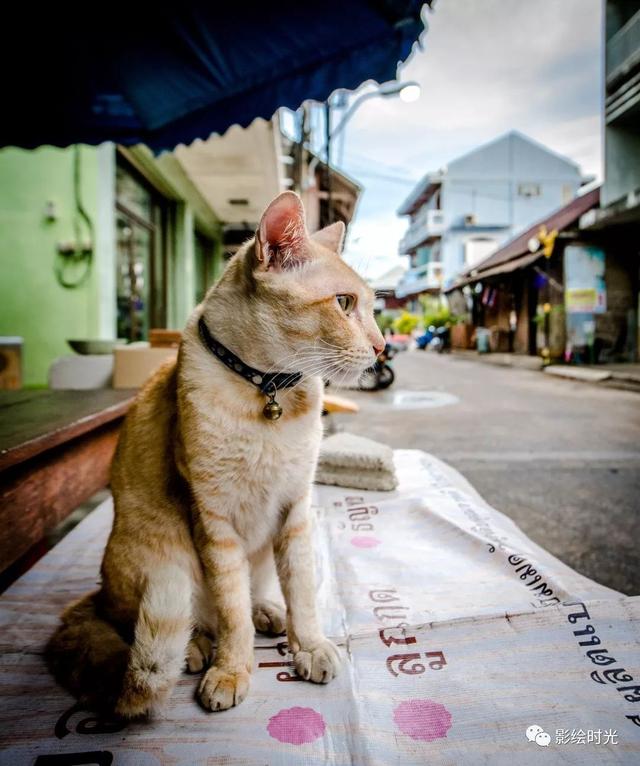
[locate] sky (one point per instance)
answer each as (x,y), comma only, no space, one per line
(487,67)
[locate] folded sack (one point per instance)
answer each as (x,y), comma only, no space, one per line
(347,460)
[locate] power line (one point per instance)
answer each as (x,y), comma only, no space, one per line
(384,177)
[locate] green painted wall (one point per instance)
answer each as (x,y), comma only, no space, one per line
(32,303)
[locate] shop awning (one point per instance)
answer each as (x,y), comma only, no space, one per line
(503,268)
(170,73)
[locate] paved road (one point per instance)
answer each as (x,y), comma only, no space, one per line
(561,458)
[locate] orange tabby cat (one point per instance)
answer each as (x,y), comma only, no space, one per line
(211,497)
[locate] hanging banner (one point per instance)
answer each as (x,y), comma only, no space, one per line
(585,291)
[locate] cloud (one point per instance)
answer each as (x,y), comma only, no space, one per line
(373,244)
(486,68)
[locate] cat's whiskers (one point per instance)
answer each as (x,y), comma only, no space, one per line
(321,359)
(289,359)
(345,377)
(330,345)
(311,369)
(312,357)
(321,368)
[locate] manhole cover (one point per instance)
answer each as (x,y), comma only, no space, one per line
(419,400)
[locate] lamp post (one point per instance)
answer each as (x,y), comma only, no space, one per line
(406,91)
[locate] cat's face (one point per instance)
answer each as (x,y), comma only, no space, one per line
(318,310)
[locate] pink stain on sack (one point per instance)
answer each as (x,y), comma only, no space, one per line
(296,725)
(422,719)
(365,542)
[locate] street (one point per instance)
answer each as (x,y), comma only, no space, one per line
(561,458)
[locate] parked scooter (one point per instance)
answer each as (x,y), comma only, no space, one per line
(422,341)
(381,375)
(435,338)
(442,340)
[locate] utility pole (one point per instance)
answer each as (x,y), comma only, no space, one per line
(299,149)
(297,152)
(327,126)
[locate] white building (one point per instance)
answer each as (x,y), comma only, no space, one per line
(460,214)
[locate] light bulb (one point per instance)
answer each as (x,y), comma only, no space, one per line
(410,93)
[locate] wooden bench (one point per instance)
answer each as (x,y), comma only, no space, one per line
(55,452)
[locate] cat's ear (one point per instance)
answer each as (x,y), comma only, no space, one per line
(281,239)
(331,237)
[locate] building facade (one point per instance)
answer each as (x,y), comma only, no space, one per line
(462,213)
(615,227)
(622,102)
(527,293)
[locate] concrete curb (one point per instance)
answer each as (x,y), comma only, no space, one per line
(620,379)
(578,373)
(499,359)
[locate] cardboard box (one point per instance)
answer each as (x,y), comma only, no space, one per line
(134,364)
(161,338)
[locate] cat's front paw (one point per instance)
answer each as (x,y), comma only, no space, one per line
(318,662)
(221,689)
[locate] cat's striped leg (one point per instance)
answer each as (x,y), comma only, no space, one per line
(315,657)
(226,682)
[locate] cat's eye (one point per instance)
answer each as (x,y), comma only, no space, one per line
(346,302)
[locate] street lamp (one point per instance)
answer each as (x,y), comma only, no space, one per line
(410,92)
(407,91)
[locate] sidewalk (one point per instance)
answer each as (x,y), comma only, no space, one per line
(623,376)
(523,361)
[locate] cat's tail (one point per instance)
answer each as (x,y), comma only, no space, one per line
(89,657)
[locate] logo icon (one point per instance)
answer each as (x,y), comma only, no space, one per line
(538,735)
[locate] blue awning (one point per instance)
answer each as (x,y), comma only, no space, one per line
(167,75)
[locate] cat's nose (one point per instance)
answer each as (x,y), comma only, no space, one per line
(378,347)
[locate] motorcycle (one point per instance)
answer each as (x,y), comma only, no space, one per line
(442,339)
(436,338)
(381,374)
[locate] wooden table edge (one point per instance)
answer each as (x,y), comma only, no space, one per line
(38,445)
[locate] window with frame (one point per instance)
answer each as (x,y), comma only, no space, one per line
(141,254)
(529,190)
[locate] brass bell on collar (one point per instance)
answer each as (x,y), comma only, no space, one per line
(272,410)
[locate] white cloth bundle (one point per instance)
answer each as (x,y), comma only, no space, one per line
(347,460)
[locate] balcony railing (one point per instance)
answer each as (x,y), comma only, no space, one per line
(623,50)
(426,225)
(419,280)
